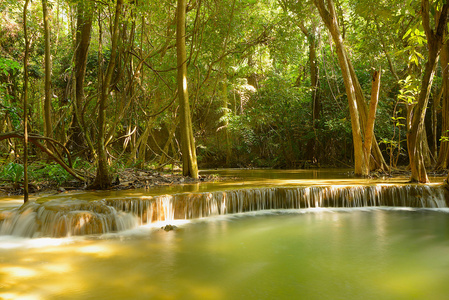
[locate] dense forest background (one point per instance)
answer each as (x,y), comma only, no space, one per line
(271,83)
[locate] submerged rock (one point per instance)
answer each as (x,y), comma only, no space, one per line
(169,227)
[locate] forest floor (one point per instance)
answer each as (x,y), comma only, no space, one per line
(126,179)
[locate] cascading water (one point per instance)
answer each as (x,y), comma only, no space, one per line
(58,218)
(198,205)
(65,218)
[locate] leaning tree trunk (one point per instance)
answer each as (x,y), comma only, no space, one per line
(379,161)
(189,163)
(414,138)
(329,18)
(415,142)
(102,178)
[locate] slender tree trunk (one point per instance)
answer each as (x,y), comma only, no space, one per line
(189,163)
(312,37)
(83,35)
(226,121)
(369,131)
(414,138)
(171,136)
(443,154)
(329,18)
(25,103)
(47,103)
(102,178)
(379,161)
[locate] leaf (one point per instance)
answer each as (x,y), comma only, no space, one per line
(407,33)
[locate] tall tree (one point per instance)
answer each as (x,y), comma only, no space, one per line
(25,103)
(47,102)
(312,35)
(189,162)
(102,178)
(369,130)
(329,17)
(84,17)
(416,131)
(443,154)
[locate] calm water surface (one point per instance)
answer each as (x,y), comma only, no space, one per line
(241,178)
(376,253)
(302,254)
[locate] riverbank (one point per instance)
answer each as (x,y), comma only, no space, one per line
(132,178)
(124,180)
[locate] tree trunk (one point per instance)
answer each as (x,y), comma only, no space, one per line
(314,80)
(25,103)
(369,131)
(189,163)
(379,161)
(83,35)
(414,138)
(171,136)
(102,178)
(226,121)
(330,19)
(47,102)
(443,155)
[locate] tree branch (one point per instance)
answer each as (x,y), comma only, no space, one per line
(33,138)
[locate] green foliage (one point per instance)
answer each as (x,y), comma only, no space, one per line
(13,112)
(445,138)
(271,131)
(12,172)
(8,65)
(258,50)
(55,172)
(409,89)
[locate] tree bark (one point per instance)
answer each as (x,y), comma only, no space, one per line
(443,154)
(363,113)
(329,18)
(83,34)
(189,162)
(25,103)
(312,37)
(369,131)
(102,178)
(47,102)
(414,138)
(226,121)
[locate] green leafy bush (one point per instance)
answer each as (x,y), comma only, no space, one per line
(12,172)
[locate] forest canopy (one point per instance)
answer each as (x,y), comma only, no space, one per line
(101,86)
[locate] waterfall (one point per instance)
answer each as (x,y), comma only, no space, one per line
(199,205)
(59,218)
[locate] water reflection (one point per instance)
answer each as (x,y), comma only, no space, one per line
(251,178)
(312,254)
(319,253)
